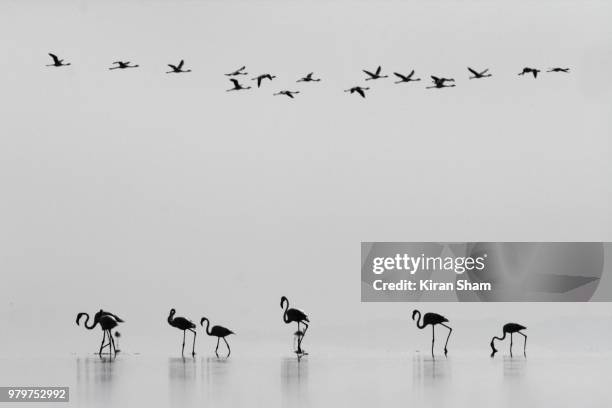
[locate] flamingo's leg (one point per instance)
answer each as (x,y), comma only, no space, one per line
(229,351)
(450,330)
(217,348)
(102,344)
(525,344)
(303,335)
(183,349)
(511,344)
(433,339)
(194,339)
(112,346)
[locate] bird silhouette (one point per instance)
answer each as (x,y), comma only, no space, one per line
(183,324)
(441,82)
(405,78)
(295,316)
(219,332)
(557,69)
(528,70)
(239,71)
(477,74)
(432,319)
(358,89)
(57,62)
(123,65)
(510,328)
(288,93)
(261,77)
(237,86)
(177,69)
(309,78)
(107,321)
(374,75)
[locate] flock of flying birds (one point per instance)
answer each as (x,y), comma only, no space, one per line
(437,82)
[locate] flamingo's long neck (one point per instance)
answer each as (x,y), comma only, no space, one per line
(94,323)
(285,318)
(419,323)
(207,327)
(170,318)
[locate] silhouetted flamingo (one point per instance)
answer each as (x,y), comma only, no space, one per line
(295,315)
(288,93)
(261,77)
(237,86)
(178,69)
(359,89)
(183,324)
(566,70)
(123,65)
(239,71)
(433,319)
(441,82)
(107,321)
(406,78)
(528,70)
(477,75)
(219,332)
(510,328)
(57,62)
(374,75)
(309,78)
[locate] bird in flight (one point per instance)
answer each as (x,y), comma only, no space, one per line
(57,62)
(177,69)
(374,75)
(557,69)
(261,77)
(441,82)
(309,78)
(123,65)
(359,89)
(405,78)
(237,86)
(481,74)
(239,71)
(288,93)
(528,70)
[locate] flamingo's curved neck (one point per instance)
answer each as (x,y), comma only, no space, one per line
(170,318)
(208,327)
(94,323)
(285,318)
(419,323)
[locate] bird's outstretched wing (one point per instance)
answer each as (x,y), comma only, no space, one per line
(55,58)
(435,78)
(485,71)
(369,73)
(378,70)
(180,65)
(174,67)
(411,74)
(259,78)
(117,62)
(235,82)
(360,92)
(473,71)
(289,94)
(400,76)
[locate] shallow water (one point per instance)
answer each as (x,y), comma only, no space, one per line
(357,381)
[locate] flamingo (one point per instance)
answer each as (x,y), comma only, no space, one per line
(107,321)
(441,82)
(57,62)
(237,86)
(478,75)
(510,328)
(239,71)
(288,93)
(374,75)
(432,319)
(295,315)
(261,77)
(183,324)
(309,78)
(406,78)
(219,332)
(123,65)
(177,69)
(557,69)
(359,89)
(528,70)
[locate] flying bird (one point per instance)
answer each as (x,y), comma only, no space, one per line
(441,82)
(432,319)
(239,71)
(237,86)
(261,77)
(107,321)
(292,315)
(510,328)
(123,65)
(309,78)
(481,74)
(178,69)
(374,75)
(183,324)
(406,78)
(359,89)
(557,69)
(528,70)
(57,62)
(219,332)
(288,93)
